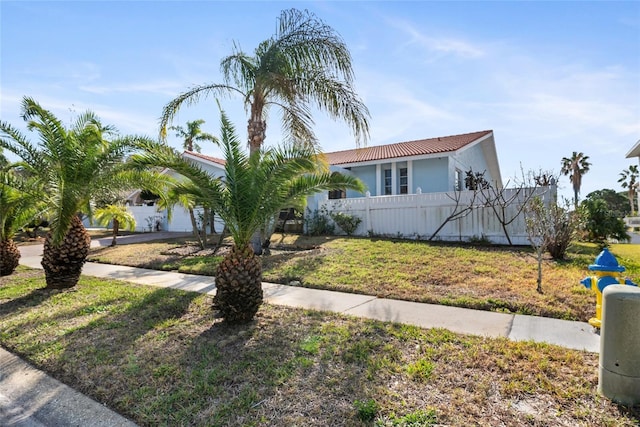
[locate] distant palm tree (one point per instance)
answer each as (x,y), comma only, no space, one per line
(629,180)
(118,216)
(575,166)
(192,135)
(71,165)
(254,189)
(306,63)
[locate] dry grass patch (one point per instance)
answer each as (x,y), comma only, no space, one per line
(486,278)
(160,357)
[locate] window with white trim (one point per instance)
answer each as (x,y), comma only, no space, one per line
(404,181)
(457,185)
(387,182)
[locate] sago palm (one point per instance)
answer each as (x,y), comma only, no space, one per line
(575,166)
(20,202)
(305,64)
(254,188)
(70,165)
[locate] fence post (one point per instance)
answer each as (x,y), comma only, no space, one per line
(367,210)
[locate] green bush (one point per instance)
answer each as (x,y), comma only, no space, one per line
(348,223)
(600,224)
(367,409)
(317,223)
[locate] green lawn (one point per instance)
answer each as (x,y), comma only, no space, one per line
(487,278)
(160,357)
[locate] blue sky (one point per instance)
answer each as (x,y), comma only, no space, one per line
(548,78)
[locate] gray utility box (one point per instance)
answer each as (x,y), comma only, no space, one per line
(619,374)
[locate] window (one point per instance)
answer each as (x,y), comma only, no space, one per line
(340,193)
(457,185)
(387,182)
(404,181)
(337,194)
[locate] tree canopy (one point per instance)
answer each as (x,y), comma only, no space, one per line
(304,64)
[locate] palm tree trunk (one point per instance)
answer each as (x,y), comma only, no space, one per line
(116,228)
(62,264)
(256,127)
(9,257)
(205,220)
(194,226)
(224,231)
(239,285)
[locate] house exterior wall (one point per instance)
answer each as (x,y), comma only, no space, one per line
(472,158)
(367,174)
(215,171)
(431,175)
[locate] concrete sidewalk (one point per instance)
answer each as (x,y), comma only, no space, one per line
(29,398)
(574,335)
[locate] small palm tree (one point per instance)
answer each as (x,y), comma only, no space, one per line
(575,166)
(255,187)
(305,63)
(193,134)
(71,165)
(629,180)
(19,204)
(118,216)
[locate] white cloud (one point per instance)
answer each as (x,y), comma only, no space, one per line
(162,87)
(439,44)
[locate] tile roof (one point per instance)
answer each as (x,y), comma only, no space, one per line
(207,158)
(443,144)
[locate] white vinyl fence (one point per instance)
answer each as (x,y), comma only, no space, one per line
(148,218)
(418,216)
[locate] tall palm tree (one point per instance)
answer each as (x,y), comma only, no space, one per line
(629,180)
(19,204)
(192,135)
(304,64)
(70,165)
(254,188)
(575,166)
(118,216)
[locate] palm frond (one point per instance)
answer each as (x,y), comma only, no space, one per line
(190,97)
(240,70)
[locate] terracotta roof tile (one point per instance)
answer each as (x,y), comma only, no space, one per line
(443,144)
(207,158)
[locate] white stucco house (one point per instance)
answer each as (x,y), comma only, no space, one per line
(411,187)
(149,217)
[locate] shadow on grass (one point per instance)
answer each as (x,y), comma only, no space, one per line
(239,373)
(630,411)
(110,353)
(34,298)
(294,266)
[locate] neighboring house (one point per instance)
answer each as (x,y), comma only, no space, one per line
(150,218)
(426,165)
(635,152)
